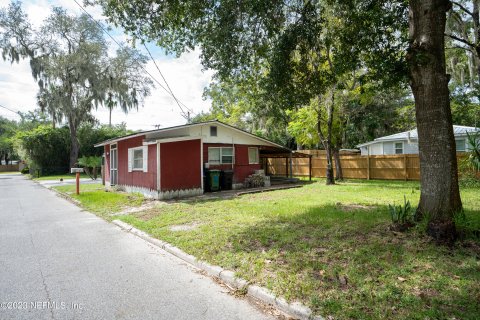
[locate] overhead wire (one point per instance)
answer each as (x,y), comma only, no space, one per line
(11,110)
(184,114)
(168,86)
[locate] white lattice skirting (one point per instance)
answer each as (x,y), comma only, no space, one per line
(162,195)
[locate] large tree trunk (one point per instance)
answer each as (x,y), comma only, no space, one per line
(439,197)
(75,145)
(338,165)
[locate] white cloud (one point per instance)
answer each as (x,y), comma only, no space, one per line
(17,87)
(186,79)
(184,75)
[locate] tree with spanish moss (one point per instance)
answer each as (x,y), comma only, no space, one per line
(69,60)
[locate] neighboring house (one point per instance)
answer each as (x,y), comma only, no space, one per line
(170,162)
(407,142)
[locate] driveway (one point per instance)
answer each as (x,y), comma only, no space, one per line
(66,182)
(59,262)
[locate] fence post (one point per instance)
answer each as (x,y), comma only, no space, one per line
(310,168)
(368,166)
(286,167)
(291,164)
(405,169)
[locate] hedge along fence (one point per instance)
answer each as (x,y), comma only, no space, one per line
(384,167)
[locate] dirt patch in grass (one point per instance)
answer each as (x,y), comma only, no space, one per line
(185,227)
(353,207)
(147,205)
(152,213)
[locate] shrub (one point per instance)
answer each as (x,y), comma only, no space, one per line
(402,216)
(91,165)
(45,148)
(474,154)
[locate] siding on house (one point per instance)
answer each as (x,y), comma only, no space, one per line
(410,148)
(136,178)
(388,148)
(376,148)
(180,165)
(242,169)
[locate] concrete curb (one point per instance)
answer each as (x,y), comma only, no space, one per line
(62,195)
(294,309)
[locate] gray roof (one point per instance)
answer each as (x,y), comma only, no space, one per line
(412,135)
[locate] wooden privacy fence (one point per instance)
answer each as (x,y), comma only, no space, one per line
(386,167)
(9,167)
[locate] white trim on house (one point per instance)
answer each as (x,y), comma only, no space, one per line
(214,122)
(201,164)
(257,160)
(161,195)
(158,167)
(148,143)
(221,155)
(178,139)
(131,159)
(395,147)
(113,146)
(465,147)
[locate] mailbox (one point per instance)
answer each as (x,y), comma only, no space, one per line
(76,170)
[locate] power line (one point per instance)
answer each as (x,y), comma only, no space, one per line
(185,115)
(168,86)
(16,112)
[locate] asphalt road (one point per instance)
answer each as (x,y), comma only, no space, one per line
(59,262)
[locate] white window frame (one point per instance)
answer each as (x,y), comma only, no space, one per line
(464,145)
(214,128)
(395,147)
(131,160)
(221,156)
(113,165)
(257,160)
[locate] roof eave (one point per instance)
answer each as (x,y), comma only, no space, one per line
(110,141)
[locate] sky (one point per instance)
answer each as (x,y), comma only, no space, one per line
(184,74)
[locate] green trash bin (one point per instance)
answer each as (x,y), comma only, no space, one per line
(214,179)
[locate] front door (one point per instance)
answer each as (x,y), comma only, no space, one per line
(113,165)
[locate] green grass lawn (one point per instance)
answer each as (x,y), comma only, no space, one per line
(60,176)
(96,199)
(330,247)
(9,172)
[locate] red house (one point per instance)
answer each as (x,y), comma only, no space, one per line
(170,162)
